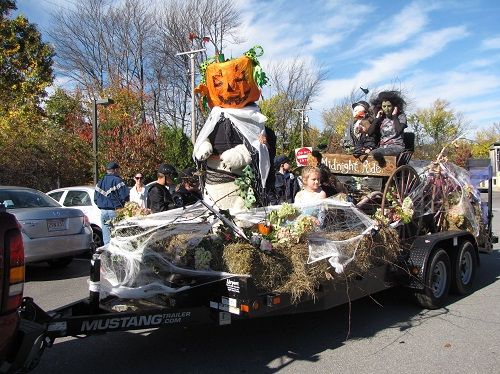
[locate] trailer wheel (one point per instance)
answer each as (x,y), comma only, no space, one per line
(437,281)
(401,184)
(464,269)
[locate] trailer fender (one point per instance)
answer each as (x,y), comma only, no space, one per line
(423,246)
(29,346)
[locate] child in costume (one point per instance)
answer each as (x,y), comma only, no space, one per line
(312,191)
(364,143)
(234,137)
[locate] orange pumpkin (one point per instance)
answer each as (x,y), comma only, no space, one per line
(230,84)
(264,229)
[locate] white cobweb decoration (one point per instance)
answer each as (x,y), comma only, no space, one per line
(147,255)
(340,225)
(134,266)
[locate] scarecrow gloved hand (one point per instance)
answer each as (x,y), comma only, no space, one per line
(236,157)
(204,151)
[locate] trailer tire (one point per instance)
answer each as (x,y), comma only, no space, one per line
(464,269)
(437,281)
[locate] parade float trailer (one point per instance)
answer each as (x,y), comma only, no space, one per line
(276,260)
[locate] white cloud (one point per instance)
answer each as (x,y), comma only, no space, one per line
(349,16)
(468,92)
(318,41)
(391,65)
(492,43)
(395,30)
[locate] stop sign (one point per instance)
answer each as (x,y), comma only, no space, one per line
(301,155)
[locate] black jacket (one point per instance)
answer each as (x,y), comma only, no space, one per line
(159,198)
(183,197)
(286,187)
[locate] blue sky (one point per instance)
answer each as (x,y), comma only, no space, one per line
(448,49)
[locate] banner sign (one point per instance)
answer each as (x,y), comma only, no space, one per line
(350,165)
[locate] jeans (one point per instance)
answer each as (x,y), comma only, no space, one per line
(106,216)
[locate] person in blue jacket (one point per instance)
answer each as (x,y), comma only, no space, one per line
(110,194)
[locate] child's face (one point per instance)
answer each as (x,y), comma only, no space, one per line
(313,182)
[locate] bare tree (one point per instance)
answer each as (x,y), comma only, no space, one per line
(184,26)
(295,84)
(80,41)
(133,45)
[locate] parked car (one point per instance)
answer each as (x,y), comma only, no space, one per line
(50,232)
(81,197)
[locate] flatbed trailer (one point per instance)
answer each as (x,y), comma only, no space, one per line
(433,266)
(429,265)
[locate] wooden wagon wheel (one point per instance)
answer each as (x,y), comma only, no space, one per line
(435,199)
(401,183)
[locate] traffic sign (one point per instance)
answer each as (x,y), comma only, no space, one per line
(301,155)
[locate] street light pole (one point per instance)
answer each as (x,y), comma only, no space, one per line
(192,55)
(95,102)
(94,138)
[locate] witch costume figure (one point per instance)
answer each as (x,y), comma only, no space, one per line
(232,146)
(389,123)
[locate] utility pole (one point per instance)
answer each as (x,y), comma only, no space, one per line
(302,111)
(191,55)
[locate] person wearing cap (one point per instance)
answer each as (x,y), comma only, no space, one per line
(356,138)
(159,196)
(171,176)
(188,191)
(365,140)
(110,194)
(285,183)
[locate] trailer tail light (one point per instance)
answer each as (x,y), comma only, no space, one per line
(273,300)
(15,249)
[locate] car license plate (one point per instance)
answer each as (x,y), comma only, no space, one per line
(57,224)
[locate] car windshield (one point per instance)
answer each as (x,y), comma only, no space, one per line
(17,199)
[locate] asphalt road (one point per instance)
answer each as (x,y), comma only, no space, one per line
(384,334)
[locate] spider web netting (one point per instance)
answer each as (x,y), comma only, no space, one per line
(445,193)
(338,225)
(147,255)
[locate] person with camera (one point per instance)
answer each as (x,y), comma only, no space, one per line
(188,191)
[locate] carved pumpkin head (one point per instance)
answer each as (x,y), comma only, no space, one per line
(230,84)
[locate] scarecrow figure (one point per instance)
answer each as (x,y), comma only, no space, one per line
(233,144)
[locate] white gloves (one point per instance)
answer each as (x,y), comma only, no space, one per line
(204,151)
(236,157)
